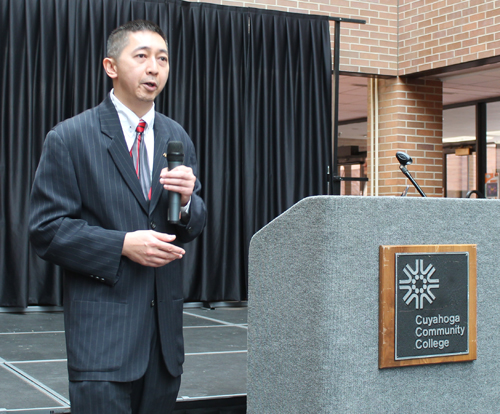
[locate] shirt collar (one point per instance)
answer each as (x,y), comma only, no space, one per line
(128,116)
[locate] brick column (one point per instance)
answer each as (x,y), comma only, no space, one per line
(410,119)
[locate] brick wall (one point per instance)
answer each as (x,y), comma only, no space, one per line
(410,120)
(440,33)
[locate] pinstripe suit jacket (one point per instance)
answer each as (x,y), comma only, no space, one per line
(85,197)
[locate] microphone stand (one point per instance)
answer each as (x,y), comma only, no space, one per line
(405,171)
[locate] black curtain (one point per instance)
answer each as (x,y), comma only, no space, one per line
(251,87)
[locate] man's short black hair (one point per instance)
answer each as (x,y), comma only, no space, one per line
(118,38)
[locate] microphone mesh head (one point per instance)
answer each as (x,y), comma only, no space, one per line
(175,147)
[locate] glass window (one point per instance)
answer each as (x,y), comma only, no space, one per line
(459,135)
(460,175)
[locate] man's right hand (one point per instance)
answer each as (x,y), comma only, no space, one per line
(150,248)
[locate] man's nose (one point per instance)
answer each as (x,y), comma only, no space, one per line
(152,66)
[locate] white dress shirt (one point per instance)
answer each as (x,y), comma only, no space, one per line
(129,121)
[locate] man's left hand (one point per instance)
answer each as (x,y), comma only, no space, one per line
(180,180)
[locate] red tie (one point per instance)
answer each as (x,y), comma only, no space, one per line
(139,156)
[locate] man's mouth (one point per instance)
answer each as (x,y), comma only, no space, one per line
(150,85)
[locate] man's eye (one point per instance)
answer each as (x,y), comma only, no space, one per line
(141,55)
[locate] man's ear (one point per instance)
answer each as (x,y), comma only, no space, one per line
(110,67)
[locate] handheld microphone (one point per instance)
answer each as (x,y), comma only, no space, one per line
(175,157)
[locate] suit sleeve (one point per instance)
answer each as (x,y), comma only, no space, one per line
(57,232)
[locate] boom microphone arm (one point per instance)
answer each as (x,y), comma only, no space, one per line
(404,160)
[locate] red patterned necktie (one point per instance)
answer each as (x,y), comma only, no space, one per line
(139,155)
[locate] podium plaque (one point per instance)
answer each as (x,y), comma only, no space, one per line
(427,311)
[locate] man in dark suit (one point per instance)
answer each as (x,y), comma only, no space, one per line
(92,214)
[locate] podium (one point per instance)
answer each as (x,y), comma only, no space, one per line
(314,308)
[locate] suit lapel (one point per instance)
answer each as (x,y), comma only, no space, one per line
(110,126)
(162,137)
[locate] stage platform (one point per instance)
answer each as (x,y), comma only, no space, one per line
(33,375)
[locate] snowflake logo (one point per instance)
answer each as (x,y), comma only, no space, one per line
(419,284)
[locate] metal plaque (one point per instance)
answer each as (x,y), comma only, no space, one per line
(432,304)
(427,304)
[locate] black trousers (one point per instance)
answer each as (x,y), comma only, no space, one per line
(154,393)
